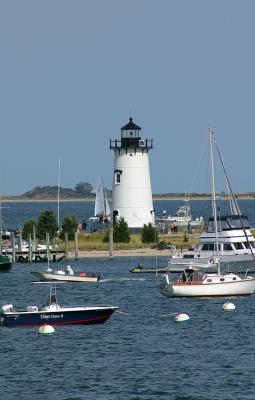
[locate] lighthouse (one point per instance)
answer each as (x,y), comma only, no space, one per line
(131,188)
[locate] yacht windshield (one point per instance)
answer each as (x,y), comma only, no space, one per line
(229,222)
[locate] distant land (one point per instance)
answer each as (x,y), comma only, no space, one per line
(84,191)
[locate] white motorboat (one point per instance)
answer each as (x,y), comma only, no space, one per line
(66,275)
(51,313)
(197,283)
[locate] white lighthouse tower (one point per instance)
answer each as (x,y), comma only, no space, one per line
(131,189)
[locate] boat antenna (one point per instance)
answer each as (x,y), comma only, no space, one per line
(214,207)
(234,200)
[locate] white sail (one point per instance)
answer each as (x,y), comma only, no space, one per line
(101,203)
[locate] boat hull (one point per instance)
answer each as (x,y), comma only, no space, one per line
(5,263)
(238,288)
(85,316)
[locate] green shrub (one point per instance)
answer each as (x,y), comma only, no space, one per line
(121,232)
(69,226)
(47,223)
(149,234)
(28,228)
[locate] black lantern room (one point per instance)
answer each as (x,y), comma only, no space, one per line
(131,137)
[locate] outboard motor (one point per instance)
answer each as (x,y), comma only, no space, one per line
(6,308)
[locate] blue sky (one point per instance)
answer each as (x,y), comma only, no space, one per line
(72,72)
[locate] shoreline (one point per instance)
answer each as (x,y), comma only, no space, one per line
(156,198)
(120,253)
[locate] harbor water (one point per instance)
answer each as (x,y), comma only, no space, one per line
(140,353)
(16,214)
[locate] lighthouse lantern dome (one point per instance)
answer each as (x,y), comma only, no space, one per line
(131,130)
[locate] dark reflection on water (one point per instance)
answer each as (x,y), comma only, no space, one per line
(142,355)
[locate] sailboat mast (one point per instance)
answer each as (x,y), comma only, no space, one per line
(214,200)
(235,202)
(58,187)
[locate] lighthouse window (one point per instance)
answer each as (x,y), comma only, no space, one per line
(117,180)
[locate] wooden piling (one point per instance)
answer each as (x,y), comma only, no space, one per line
(34,239)
(13,247)
(111,240)
(76,252)
(20,240)
(66,245)
(48,246)
(30,250)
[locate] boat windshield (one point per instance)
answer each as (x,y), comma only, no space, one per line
(228,222)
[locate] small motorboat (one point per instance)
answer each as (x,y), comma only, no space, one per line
(141,269)
(51,313)
(66,275)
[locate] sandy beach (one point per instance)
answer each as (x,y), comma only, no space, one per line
(121,253)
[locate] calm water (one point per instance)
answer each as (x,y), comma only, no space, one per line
(140,355)
(15,214)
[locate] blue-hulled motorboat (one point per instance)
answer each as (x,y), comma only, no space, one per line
(52,313)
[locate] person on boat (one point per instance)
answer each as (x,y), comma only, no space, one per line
(84,226)
(69,270)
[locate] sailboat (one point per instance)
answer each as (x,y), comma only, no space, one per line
(196,283)
(102,208)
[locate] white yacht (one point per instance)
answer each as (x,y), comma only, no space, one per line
(235,244)
(183,217)
(235,241)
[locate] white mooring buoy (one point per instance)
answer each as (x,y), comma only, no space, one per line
(228,306)
(181,317)
(46,330)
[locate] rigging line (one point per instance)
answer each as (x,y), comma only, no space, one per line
(147,315)
(197,167)
(235,202)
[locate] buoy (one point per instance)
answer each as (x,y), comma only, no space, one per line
(46,330)
(181,317)
(228,306)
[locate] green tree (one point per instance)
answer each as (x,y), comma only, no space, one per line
(149,234)
(121,231)
(83,188)
(28,228)
(70,226)
(47,223)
